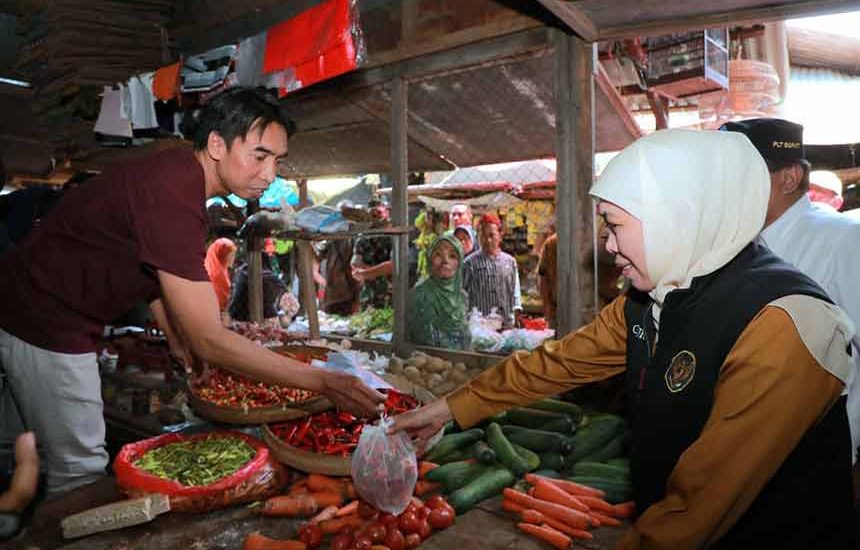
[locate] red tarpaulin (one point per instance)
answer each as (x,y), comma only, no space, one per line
(315,45)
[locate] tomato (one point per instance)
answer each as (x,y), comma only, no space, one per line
(422,512)
(409,523)
(440,518)
(365,510)
(311,535)
(394,539)
(413,540)
(376,532)
(341,542)
(435,502)
(424,529)
(388,519)
(362,542)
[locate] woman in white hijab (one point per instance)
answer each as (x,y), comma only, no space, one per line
(735,362)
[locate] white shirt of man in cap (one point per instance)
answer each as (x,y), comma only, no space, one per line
(816,239)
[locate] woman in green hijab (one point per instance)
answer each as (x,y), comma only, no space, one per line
(437,304)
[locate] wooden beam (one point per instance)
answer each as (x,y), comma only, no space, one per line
(307,287)
(573,16)
(746,16)
(823,50)
(400,207)
(255,272)
(574,86)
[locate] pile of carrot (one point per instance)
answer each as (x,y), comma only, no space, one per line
(557,511)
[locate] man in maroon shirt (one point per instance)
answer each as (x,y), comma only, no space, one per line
(137,232)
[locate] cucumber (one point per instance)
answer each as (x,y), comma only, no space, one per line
(453,442)
(456,474)
(611,450)
(487,485)
(541,420)
(451,427)
(594,436)
(552,461)
(531,458)
(505,452)
(539,441)
(556,405)
(482,452)
(616,490)
(622,461)
(599,469)
(552,474)
(457,455)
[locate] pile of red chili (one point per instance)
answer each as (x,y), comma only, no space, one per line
(335,432)
(234,390)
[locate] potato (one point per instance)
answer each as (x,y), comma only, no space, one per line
(395,365)
(434,364)
(445,388)
(412,374)
(434,380)
(460,367)
(458,376)
(417,361)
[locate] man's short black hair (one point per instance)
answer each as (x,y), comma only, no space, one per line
(235,112)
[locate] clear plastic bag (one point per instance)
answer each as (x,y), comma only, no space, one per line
(384,468)
(483,330)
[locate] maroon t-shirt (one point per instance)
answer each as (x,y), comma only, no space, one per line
(95,255)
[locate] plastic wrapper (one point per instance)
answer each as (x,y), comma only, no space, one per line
(516,339)
(484,331)
(260,478)
(321,219)
(384,468)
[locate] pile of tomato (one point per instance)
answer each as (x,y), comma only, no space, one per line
(335,432)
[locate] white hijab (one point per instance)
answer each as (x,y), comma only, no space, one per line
(701,197)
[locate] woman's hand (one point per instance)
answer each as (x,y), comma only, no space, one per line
(349,393)
(423,423)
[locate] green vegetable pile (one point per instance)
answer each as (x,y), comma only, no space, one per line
(372,321)
(198,462)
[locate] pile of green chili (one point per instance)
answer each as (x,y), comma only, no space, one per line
(198,462)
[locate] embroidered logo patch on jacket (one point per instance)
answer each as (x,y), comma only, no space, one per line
(681,371)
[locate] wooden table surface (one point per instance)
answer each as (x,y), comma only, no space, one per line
(486,526)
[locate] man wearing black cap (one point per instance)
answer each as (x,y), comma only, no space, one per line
(815,239)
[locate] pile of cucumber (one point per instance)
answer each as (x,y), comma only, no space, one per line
(549,437)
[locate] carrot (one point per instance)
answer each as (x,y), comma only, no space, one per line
(545,490)
(572,517)
(535,517)
(605,520)
(575,489)
(597,505)
(509,506)
(531,492)
(350,509)
(331,526)
(290,506)
(349,490)
(425,466)
(328,513)
(625,509)
(423,487)
(547,534)
(256,541)
(327,498)
(319,483)
(298,487)
(531,516)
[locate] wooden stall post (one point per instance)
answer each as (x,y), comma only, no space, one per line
(306,272)
(399,208)
(255,271)
(575,145)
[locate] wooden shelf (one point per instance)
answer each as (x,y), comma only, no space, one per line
(339,235)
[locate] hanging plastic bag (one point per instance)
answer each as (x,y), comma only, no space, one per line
(384,468)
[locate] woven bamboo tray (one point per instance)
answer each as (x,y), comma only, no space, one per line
(262,415)
(319,463)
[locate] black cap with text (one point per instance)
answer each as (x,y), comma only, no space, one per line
(776,139)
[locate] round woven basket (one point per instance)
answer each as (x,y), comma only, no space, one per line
(262,415)
(319,463)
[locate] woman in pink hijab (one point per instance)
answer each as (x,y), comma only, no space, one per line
(219,259)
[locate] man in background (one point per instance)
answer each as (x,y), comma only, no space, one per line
(490,276)
(817,240)
(372,266)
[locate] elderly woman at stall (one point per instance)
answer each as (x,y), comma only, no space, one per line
(220,257)
(735,361)
(437,304)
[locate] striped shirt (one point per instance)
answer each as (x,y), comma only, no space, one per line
(493,282)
